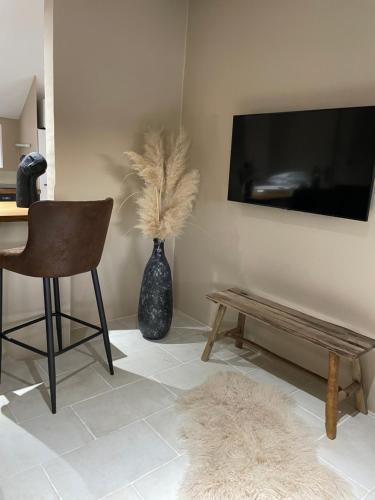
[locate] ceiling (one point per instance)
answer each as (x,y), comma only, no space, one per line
(21,52)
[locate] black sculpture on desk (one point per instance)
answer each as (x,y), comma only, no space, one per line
(30,168)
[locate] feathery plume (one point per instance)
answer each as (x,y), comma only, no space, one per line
(167,198)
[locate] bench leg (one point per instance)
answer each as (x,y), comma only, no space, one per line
(214,332)
(361,404)
(241,329)
(332,395)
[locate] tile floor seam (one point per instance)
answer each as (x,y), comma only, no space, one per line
(141,497)
(28,469)
(298,405)
(160,436)
(119,319)
(193,319)
(132,483)
(60,455)
(170,354)
(293,391)
(109,321)
(139,379)
(15,419)
(321,420)
(141,351)
(20,422)
(340,422)
(369,493)
(101,376)
(84,424)
(14,391)
(35,417)
(344,419)
(80,369)
(161,409)
(90,397)
(96,439)
(51,483)
(137,419)
(164,386)
(21,471)
(170,368)
(341,473)
(243,372)
(60,373)
(41,367)
(356,483)
(72,449)
(183,363)
(118,490)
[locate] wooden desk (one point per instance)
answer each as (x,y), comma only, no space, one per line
(9,212)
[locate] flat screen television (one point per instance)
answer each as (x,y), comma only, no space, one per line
(319,161)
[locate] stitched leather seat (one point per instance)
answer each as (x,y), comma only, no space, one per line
(65,238)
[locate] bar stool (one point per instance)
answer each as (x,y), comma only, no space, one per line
(65,238)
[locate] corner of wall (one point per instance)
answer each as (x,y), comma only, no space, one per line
(49,96)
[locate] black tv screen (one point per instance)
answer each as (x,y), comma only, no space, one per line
(318,161)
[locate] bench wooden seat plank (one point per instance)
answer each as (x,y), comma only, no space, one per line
(338,340)
(330,327)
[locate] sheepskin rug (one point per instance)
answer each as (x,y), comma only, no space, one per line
(244,442)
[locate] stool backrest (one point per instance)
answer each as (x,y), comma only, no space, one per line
(66,237)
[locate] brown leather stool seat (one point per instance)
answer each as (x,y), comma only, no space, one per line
(65,238)
(10,257)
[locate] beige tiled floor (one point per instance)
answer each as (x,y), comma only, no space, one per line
(117,437)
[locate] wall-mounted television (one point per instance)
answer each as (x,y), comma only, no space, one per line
(318,161)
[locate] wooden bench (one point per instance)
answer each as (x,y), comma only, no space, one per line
(339,341)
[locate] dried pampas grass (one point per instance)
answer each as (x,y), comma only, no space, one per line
(166,200)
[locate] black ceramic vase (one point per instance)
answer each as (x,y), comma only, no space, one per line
(155,308)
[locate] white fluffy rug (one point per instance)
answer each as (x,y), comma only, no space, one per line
(244,442)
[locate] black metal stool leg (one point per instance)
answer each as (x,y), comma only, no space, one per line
(56,293)
(50,346)
(103,321)
(1,319)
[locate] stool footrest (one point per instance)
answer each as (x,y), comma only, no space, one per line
(25,346)
(23,325)
(82,341)
(37,320)
(77,320)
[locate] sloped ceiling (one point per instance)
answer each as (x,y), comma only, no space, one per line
(21,52)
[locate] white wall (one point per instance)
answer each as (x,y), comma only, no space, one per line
(28,126)
(9,138)
(248,56)
(118,67)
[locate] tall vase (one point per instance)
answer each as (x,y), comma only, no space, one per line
(155,308)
